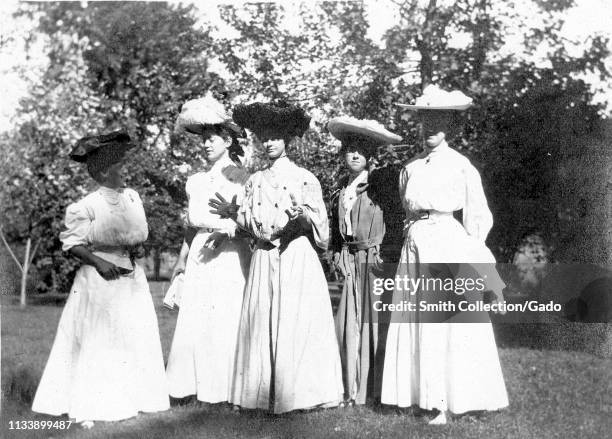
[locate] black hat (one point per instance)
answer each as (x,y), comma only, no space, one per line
(273,119)
(87,145)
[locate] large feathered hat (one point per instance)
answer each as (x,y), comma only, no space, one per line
(363,132)
(118,141)
(274,120)
(434,98)
(197,114)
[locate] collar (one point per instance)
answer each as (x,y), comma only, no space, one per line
(281,164)
(223,162)
(110,191)
(110,195)
(359,178)
(440,149)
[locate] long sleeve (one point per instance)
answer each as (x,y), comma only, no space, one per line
(312,197)
(477,218)
(403,180)
(245,212)
(335,243)
(78,225)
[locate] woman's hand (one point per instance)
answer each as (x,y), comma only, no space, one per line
(137,251)
(215,240)
(498,299)
(179,268)
(297,213)
(361,188)
(223,208)
(107,270)
(336,258)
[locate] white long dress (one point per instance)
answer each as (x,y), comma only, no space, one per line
(444,366)
(106,362)
(287,353)
(202,355)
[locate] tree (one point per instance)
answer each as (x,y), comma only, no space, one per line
(110,65)
(132,64)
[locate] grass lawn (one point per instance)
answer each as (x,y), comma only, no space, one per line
(553,394)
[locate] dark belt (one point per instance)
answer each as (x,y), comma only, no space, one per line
(285,237)
(119,250)
(420,215)
(362,245)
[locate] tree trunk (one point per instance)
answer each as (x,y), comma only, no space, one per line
(24,273)
(425,44)
(156,263)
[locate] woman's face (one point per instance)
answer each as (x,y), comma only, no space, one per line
(355,160)
(275,148)
(113,176)
(434,125)
(215,145)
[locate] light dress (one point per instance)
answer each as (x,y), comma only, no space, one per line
(201,360)
(447,365)
(287,354)
(106,362)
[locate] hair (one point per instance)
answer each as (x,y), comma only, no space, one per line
(362,144)
(101,159)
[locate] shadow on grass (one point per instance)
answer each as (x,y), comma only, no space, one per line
(556,334)
(20,383)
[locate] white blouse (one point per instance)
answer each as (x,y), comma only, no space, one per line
(105,218)
(268,197)
(445,181)
(224,177)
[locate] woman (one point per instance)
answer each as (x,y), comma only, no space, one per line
(442,364)
(106,362)
(287,355)
(358,229)
(202,355)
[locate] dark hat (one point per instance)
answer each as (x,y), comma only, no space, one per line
(85,146)
(273,119)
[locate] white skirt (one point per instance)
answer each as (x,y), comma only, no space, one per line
(106,362)
(444,366)
(201,360)
(287,354)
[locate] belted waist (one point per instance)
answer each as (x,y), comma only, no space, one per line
(281,241)
(209,229)
(118,255)
(117,250)
(364,244)
(418,215)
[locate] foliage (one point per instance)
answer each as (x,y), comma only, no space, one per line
(95,82)
(131,64)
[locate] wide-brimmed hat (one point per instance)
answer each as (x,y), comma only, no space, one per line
(434,98)
(279,119)
(198,114)
(87,145)
(368,133)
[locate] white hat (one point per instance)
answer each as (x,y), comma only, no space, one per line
(434,98)
(197,113)
(345,127)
